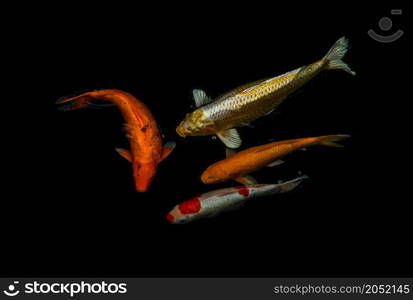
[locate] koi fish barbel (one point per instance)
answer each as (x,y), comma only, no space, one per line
(249,102)
(146,149)
(215,202)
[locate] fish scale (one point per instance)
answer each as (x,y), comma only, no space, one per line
(251,103)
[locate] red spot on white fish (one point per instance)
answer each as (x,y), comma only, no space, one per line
(244,191)
(191,206)
(170,218)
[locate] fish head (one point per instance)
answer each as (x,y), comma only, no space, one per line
(185,212)
(176,217)
(195,124)
(143,174)
(208,178)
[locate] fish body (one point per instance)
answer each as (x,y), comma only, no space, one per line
(215,202)
(146,148)
(237,166)
(249,102)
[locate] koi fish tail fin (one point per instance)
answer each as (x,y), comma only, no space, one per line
(330,140)
(335,54)
(76,102)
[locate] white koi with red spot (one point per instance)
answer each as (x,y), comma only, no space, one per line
(215,202)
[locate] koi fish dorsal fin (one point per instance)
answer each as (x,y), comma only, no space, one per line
(167,149)
(200,97)
(230,138)
(246,180)
(124,153)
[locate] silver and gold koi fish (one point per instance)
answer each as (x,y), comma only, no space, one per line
(249,102)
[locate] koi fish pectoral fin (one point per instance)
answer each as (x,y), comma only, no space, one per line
(276,163)
(200,97)
(246,180)
(229,152)
(167,149)
(230,138)
(124,153)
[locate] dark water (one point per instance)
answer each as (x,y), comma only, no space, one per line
(73,209)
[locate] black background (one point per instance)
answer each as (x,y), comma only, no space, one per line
(70,208)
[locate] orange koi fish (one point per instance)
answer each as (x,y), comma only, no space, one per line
(237,166)
(146,149)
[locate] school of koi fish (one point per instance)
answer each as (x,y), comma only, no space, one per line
(220,116)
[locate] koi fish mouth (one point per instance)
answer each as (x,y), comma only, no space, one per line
(170,218)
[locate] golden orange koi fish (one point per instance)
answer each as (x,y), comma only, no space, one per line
(251,101)
(237,166)
(146,149)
